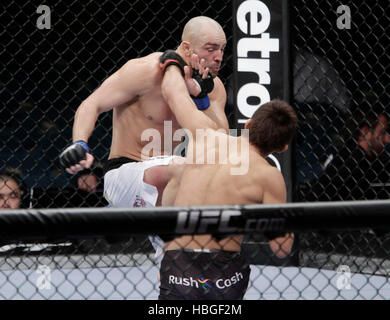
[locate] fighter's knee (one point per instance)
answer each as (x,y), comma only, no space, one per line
(157,176)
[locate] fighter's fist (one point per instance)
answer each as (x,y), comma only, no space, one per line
(76,157)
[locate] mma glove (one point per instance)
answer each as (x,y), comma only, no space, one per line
(205,85)
(202,101)
(73,154)
(171,58)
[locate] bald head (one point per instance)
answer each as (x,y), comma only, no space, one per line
(198,26)
(206,38)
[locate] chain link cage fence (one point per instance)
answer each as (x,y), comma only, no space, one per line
(101,269)
(341,78)
(84,255)
(47,73)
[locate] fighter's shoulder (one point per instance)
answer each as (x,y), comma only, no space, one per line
(268,174)
(146,64)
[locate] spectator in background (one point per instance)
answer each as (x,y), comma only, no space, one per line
(359,170)
(10,191)
(90,189)
(88,181)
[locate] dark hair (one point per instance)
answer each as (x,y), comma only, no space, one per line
(273,126)
(9,174)
(96,171)
(360,119)
(13,174)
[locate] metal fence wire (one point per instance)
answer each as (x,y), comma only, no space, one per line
(341,79)
(340,90)
(47,73)
(345,266)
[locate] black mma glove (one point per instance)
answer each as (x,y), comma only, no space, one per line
(205,85)
(202,101)
(169,58)
(73,154)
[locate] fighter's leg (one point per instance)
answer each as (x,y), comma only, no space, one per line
(163,176)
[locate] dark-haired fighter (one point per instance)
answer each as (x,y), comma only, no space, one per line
(203,266)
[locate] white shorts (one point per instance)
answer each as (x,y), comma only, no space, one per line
(124,187)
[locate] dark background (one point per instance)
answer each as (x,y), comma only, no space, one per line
(360,56)
(46,74)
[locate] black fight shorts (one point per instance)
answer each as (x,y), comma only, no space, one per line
(193,275)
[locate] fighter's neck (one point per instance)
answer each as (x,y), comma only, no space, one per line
(252,147)
(181,53)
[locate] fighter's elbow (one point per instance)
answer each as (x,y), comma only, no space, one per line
(93,107)
(87,106)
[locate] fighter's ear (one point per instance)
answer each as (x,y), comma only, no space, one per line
(186,46)
(248,124)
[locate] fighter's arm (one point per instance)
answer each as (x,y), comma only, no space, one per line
(275,192)
(122,86)
(216,111)
(217,97)
(176,94)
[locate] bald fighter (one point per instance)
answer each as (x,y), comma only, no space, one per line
(134,95)
(206,266)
